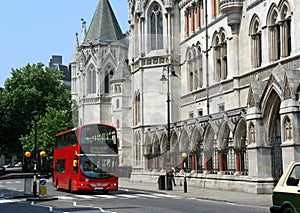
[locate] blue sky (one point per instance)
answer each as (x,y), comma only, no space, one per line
(34,30)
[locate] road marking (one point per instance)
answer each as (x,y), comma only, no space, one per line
(127,196)
(10,201)
(66,198)
(148,195)
(106,196)
(165,195)
(92,207)
(119,196)
(85,196)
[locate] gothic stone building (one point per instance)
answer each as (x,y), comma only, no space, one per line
(208,86)
(101,85)
(231,97)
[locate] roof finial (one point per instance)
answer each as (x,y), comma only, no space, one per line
(83,30)
(77,41)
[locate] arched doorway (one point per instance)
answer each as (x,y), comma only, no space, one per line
(273,135)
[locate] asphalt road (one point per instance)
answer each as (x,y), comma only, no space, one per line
(123,201)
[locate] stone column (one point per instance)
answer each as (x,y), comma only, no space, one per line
(221,162)
(259,155)
(192,19)
(237,162)
(147,163)
(289,110)
(163,163)
(193,162)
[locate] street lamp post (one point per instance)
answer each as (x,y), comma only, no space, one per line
(163,78)
(184,155)
(35,116)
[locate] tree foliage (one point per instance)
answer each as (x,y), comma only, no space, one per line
(33,87)
(53,122)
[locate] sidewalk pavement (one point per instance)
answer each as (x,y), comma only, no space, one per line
(241,198)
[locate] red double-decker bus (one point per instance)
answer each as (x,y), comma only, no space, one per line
(86,158)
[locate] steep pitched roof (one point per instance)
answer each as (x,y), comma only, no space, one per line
(104,25)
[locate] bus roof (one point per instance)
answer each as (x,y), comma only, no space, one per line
(81,126)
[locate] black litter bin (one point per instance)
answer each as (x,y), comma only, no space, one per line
(161,182)
(169,180)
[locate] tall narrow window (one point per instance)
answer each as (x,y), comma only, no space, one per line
(256,50)
(91,80)
(195,71)
(223,57)
(108,73)
(220,56)
(274,37)
(156,28)
(200,68)
(136,108)
(286,30)
(217,59)
(190,71)
(279,23)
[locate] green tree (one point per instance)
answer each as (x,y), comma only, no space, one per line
(31,87)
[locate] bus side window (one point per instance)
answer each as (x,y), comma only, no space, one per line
(61,166)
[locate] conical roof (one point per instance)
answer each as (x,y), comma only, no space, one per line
(104,25)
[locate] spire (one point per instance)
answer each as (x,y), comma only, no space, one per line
(104,25)
(83,31)
(75,50)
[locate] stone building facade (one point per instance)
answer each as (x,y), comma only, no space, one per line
(101,84)
(233,106)
(209,86)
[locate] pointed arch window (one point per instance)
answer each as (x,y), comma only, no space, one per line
(280,31)
(220,56)
(189,71)
(288,129)
(199,68)
(256,49)
(136,108)
(118,104)
(286,30)
(251,133)
(91,80)
(194,69)
(156,28)
(274,37)
(118,123)
(108,74)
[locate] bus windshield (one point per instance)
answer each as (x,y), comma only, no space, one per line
(98,166)
(99,152)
